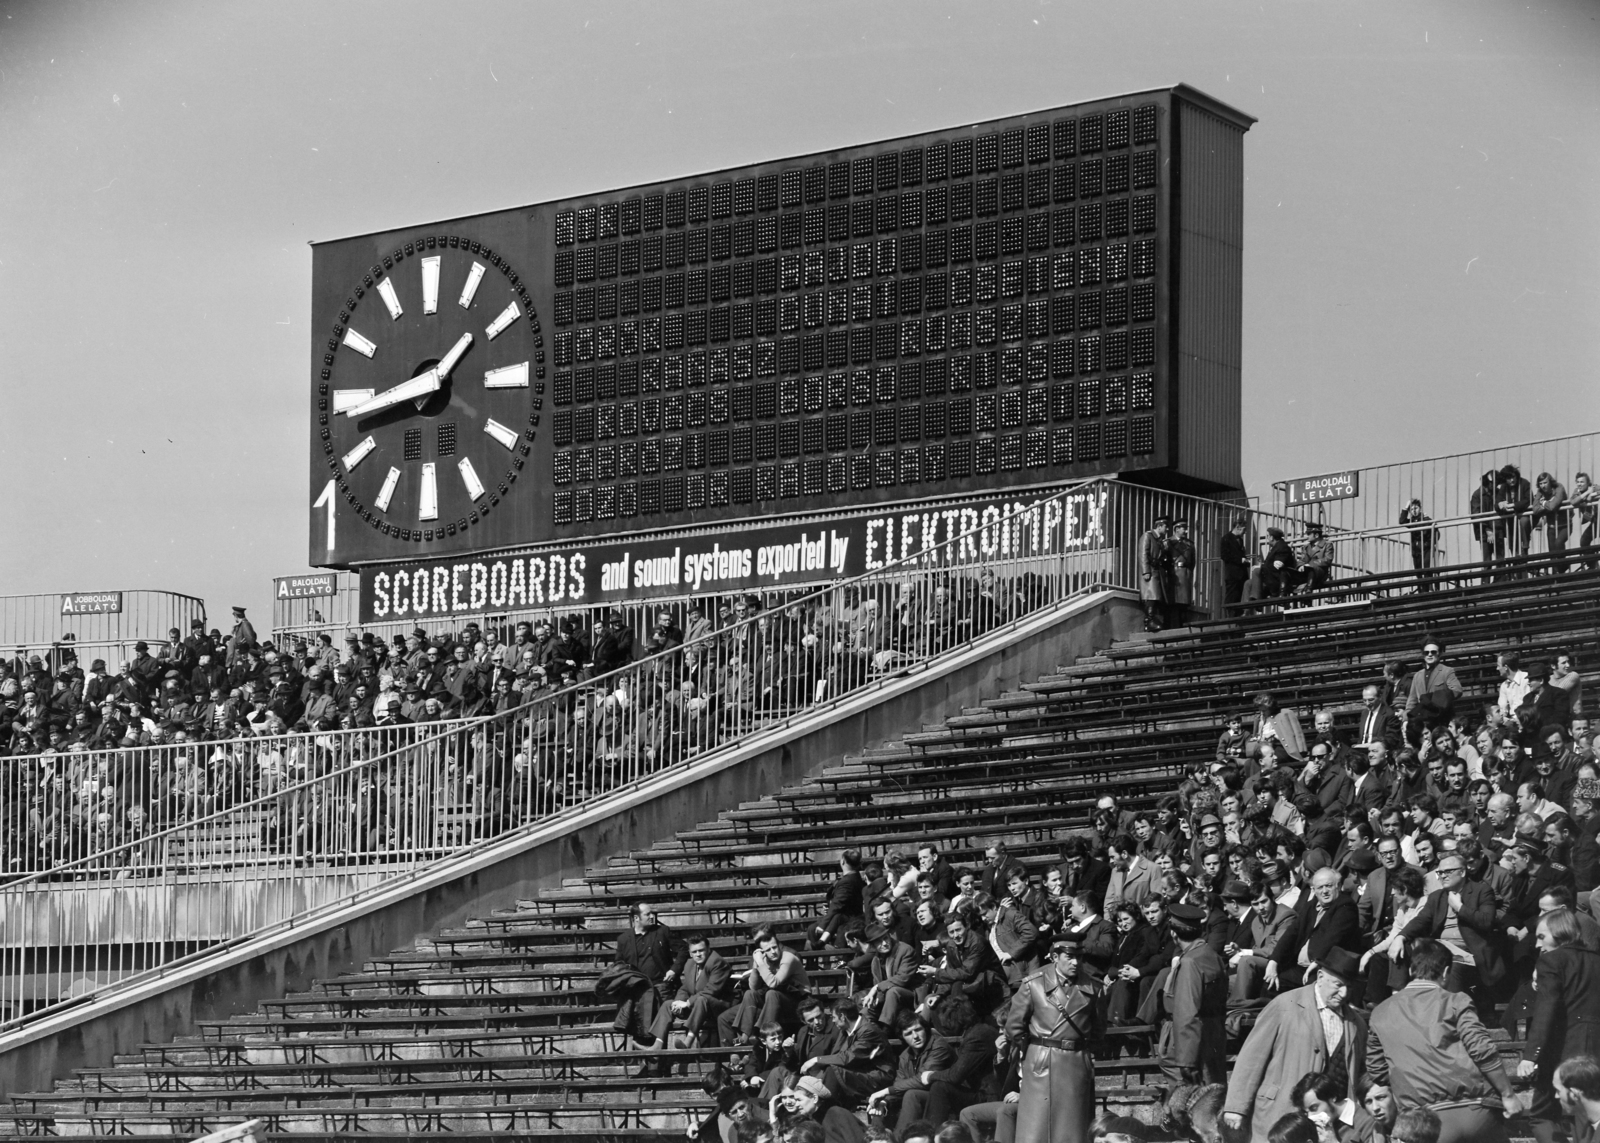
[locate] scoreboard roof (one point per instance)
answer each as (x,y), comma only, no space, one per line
(1011,303)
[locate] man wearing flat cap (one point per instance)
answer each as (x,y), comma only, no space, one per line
(1541,705)
(1308,1029)
(1194,1042)
(1531,875)
(1152,555)
(1054,1024)
(1316,560)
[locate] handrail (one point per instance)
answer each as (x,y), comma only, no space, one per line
(301,847)
(1379,585)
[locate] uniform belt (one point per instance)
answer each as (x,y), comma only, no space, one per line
(1058,1045)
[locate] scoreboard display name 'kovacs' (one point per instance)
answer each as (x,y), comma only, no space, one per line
(1007,304)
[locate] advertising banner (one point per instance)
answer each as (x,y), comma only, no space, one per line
(751,559)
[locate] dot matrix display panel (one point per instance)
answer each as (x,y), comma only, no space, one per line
(913,319)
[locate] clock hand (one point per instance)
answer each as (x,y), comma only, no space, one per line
(419,386)
(449,363)
(450,359)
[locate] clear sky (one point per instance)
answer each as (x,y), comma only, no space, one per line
(1422,223)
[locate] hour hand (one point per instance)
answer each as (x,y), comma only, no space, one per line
(419,386)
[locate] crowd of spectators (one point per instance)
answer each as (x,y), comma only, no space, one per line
(1513,511)
(94,760)
(1349,905)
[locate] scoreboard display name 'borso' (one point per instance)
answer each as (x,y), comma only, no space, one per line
(1008,304)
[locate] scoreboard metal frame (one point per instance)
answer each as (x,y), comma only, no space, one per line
(991,306)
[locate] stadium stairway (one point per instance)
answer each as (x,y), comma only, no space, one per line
(491,1030)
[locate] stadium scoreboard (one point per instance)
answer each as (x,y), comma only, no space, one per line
(1013,303)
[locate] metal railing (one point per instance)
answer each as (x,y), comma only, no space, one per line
(36,624)
(243,837)
(1446,484)
(135,860)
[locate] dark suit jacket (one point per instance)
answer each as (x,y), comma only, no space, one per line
(1333,792)
(968,968)
(1371,795)
(974,1058)
(994,878)
(1340,927)
(866,1049)
(1322,834)
(1094,878)
(1099,945)
(1262,937)
(1551,705)
(1476,919)
(1235,561)
(652,952)
(1380,724)
(1139,947)
(844,901)
(809,1045)
(898,969)
(1566,1008)
(714,979)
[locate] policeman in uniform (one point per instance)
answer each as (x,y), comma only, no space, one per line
(1194,1041)
(1054,1023)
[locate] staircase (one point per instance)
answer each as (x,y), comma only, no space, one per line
(490,1031)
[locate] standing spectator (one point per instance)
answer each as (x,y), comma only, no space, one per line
(1513,498)
(1550,509)
(1305,1030)
(244,633)
(1152,556)
(1566,1012)
(1180,562)
(1430,1048)
(614,648)
(1235,558)
(1566,677)
(1433,694)
(1196,1000)
(1487,528)
(1424,539)
(1585,503)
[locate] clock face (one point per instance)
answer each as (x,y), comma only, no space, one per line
(427,408)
